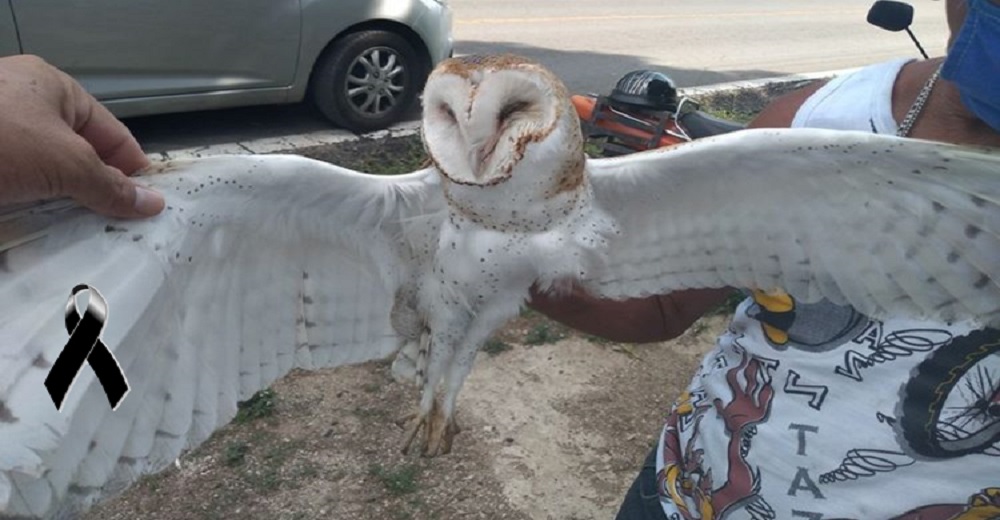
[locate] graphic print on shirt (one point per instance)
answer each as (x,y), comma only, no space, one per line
(684,480)
(951,405)
(815,394)
(984,505)
(861,463)
(816,327)
(875,346)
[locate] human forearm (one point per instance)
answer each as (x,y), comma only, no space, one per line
(638,320)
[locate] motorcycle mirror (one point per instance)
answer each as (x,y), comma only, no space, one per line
(894,16)
(891,15)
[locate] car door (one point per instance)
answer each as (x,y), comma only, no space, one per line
(137,48)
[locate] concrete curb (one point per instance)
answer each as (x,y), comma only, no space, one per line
(286,143)
(328,137)
(756,83)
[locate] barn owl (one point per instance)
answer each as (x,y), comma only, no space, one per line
(260,264)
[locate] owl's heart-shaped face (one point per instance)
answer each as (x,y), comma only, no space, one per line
(484,117)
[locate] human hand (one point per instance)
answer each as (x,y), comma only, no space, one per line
(56,140)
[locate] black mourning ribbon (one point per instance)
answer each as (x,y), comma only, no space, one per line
(85,346)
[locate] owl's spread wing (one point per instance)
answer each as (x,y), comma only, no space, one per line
(881,223)
(258,265)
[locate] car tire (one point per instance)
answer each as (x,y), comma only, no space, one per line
(367,80)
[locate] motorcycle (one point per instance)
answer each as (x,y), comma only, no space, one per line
(642,112)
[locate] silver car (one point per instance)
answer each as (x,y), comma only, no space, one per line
(362,62)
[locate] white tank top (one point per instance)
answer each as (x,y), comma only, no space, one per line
(858,101)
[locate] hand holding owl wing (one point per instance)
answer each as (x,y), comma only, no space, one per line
(258,265)
(887,225)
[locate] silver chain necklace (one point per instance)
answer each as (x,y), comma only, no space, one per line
(918,105)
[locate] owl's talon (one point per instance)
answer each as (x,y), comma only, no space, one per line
(438,431)
(451,429)
(441,433)
(416,420)
(435,444)
(403,420)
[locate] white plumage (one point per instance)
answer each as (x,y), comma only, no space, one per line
(265,263)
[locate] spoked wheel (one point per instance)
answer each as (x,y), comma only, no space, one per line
(951,407)
(367,80)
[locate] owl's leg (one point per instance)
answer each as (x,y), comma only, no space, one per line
(410,364)
(445,424)
(426,418)
(404,367)
(442,424)
(407,322)
(423,357)
(458,331)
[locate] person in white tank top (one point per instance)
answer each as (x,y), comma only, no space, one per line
(858,101)
(816,411)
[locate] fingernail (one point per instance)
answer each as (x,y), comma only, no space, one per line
(147,201)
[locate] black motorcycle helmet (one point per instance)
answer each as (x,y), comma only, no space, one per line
(645,88)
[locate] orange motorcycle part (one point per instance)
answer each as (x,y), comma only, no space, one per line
(638,132)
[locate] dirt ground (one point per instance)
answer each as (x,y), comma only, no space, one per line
(553,430)
(555,424)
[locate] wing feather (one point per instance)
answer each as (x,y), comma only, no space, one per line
(881,223)
(258,265)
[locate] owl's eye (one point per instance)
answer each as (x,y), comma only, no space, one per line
(448,111)
(510,109)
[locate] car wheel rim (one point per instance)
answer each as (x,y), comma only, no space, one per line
(376,81)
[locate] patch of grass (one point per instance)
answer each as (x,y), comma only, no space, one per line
(369,413)
(728,307)
(308,470)
(280,452)
(266,479)
(261,458)
(154,481)
(597,340)
(742,105)
(736,116)
(494,346)
(543,334)
(414,507)
(386,156)
(260,404)
(626,349)
(592,149)
(234,454)
(397,481)
(698,327)
(265,472)
(216,509)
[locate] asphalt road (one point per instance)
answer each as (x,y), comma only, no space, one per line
(590,43)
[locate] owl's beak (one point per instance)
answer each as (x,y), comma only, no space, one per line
(476,162)
(481,153)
